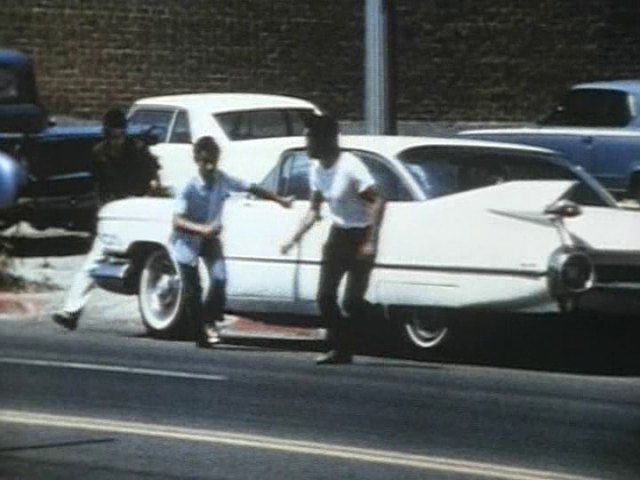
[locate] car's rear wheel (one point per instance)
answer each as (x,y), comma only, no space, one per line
(423,328)
(161,297)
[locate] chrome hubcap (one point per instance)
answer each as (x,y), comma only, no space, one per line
(426,330)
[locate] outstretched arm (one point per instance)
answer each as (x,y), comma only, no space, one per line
(310,218)
(269,195)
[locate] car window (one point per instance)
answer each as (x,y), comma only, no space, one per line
(180,133)
(266,123)
(388,183)
(441,171)
(586,107)
(294,175)
(158,119)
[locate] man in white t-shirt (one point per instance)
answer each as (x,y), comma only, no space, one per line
(356,209)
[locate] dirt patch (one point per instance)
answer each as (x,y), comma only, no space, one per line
(16,284)
(10,282)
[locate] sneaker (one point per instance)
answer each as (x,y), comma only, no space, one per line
(66,320)
(334,357)
(212,335)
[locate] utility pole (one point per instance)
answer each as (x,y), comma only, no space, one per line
(379,103)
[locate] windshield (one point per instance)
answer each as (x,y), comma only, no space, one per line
(263,123)
(441,171)
(592,108)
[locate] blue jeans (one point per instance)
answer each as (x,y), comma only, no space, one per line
(206,312)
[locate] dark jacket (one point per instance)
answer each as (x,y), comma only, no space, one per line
(126,172)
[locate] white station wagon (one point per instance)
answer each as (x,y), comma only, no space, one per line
(469,225)
(234,120)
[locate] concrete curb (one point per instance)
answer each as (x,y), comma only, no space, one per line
(29,306)
(244,328)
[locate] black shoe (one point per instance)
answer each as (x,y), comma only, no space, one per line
(67,320)
(203,343)
(334,357)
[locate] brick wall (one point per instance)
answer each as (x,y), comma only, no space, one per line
(456,60)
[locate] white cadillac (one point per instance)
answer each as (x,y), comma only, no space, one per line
(234,120)
(469,225)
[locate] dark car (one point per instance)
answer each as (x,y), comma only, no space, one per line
(21,114)
(51,164)
(60,189)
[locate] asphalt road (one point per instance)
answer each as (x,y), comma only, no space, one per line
(511,399)
(108,402)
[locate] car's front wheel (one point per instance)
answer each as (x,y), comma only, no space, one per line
(161,297)
(422,328)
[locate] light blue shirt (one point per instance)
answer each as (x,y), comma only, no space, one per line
(201,202)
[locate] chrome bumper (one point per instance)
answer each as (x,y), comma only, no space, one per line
(116,277)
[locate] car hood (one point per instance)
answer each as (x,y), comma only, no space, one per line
(139,209)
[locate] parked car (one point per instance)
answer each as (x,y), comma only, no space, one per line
(61,189)
(234,120)
(468,225)
(596,126)
(20,115)
(11,178)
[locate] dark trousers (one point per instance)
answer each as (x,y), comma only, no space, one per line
(205,312)
(340,257)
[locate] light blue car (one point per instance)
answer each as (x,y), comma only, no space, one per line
(596,126)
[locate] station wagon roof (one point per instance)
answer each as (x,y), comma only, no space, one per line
(224,102)
(630,86)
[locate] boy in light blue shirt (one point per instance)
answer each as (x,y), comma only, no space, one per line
(197,226)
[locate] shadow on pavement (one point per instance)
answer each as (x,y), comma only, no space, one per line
(593,346)
(603,345)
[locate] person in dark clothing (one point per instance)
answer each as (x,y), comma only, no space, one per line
(122,167)
(356,209)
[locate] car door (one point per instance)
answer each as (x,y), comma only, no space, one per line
(260,278)
(617,154)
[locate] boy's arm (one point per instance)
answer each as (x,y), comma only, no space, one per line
(269,195)
(201,229)
(181,221)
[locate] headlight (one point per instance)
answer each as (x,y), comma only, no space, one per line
(570,272)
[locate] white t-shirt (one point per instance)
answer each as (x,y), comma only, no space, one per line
(341,186)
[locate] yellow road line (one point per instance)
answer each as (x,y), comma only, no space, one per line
(421,462)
